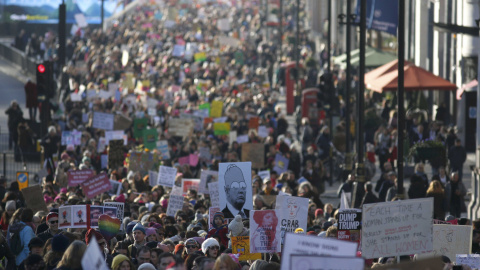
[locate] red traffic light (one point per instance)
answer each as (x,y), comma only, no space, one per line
(41,68)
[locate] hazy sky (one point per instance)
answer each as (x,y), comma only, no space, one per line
(83,4)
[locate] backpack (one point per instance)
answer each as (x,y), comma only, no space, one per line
(15,242)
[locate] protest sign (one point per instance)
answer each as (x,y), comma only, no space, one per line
(93,258)
(397,228)
(424,264)
(180,127)
(189,184)
(75,97)
(281,164)
(77,177)
(150,138)
(96,185)
(102,142)
(235,187)
(152,178)
(175,202)
(65,217)
(472,260)
(292,212)
(228,41)
(264,174)
(162,146)
(223,24)
(104,161)
(232,137)
(450,240)
(200,57)
(178,50)
(80,216)
(221,128)
(191,160)
(241,244)
(242,139)
(349,224)
(166,176)
(115,154)
(254,152)
(139,125)
(253,123)
(103,120)
(34,198)
(264,231)
(120,210)
(216,109)
(204,154)
(71,137)
(214,194)
(301,244)
(95,213)
(116,188)
(122,122)
(142,161)
(325,262)
(206,177)
(263,131)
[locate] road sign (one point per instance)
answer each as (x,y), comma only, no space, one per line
(22,179)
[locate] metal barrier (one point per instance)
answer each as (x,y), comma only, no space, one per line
(18,58)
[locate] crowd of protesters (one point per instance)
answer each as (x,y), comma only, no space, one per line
(234,74)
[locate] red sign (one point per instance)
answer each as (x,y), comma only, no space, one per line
(96,185)
(75,178)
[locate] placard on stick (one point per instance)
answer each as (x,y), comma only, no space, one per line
(34,198)
(254,152)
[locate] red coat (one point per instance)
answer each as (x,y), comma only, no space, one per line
(31,94)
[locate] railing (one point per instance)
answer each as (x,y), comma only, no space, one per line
(18,58)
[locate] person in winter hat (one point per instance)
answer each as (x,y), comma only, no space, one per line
(236,228)
(219,230)
(211,248)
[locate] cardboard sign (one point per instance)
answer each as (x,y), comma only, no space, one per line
(175,202)
(292,212)
(120,210)
(162,146)
(253,123)
(214,194)
(166,176)
(241,244)
(115,154)
(75,178)
(472,260)
(216,109)
(326,262)
(96,185)
(254,152)
(207,177)
(93,258)
(103,120)
(190,184)
(264,231)
(281,164)
(235,186)
(349,224)
(34,198)
(397,228)
(180,127)
(450,240)
(301,244)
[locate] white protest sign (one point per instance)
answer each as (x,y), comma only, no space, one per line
(207,177)
(75,97)
(264,174)
(102,142)
(214,194)
(223,24)
(397,228)
(180,127)
(116,135)
(81,20)
(175,202)
(92,258)
(292,212)
(162,146)
(178,50)
(103,120)
(166,176)
(242,139)
(232,137)
(264,231)
(235,187)
(263,131)
(302,244)
(228,41)
(325,263)
(472,260)
(153,178)
(450,240)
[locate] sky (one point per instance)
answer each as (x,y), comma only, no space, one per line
(84,4)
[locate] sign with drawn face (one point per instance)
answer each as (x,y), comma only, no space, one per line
(264,231)
(235,189)
(292,212)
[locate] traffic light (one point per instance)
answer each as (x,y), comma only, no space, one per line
(45,83)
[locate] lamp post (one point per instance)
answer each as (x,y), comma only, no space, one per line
(400,94)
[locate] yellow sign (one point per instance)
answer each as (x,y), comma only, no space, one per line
(216,109)
(221,128)
(241,244)
(22,179)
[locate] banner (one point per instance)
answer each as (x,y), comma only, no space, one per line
(207,177)
(381,15)
(254,152)
(235,187)
(292,212)
(96,185)
(281,164)
(397,228)
(103,120)
(241,244)
(349,225)
(264,232)
(301,244)
(115,154)
(77,177)
(166,176)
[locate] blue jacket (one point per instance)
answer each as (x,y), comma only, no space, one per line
(26,234)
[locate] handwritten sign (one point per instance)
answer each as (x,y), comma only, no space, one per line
(152,178)
(103,120)
(214,194)
(241,244)
(292,212)
(207,177)
(96,185)
(397,228)
(175,202)
(180,127)
(301,244)
(326,263)
(472,260)
(254,152)
(166,176)
(75,178)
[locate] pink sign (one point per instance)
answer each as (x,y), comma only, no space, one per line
(75,178)
(191,160)
(96,185)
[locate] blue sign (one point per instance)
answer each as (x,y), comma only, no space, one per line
(22,178)
(382,15)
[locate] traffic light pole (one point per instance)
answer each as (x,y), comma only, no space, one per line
(62,35)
